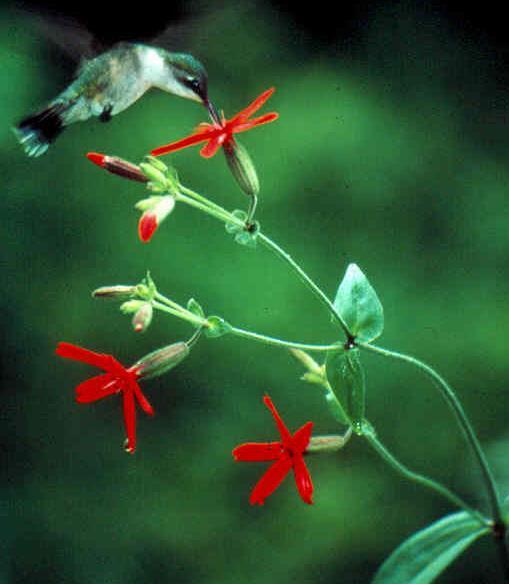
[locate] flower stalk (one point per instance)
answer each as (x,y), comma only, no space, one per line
(461,417)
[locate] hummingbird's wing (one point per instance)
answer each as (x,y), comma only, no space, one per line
(72,37)
(194,29)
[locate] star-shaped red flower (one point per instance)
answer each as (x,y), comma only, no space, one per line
(287,454)
(117,379)
(220,132)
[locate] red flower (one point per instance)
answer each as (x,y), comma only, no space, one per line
(287,454)
(116,379)
(220,132)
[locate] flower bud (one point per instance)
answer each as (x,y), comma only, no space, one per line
(143,317)
(131,306)
(242,167)
(118,166)
(161,360)
(315,373)
(328,443)
(309,363)
(115,292)
(156,163)
(153,216)
(152,173)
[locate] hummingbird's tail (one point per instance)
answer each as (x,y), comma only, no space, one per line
(36,132)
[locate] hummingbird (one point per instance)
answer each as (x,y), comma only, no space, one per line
(108,84)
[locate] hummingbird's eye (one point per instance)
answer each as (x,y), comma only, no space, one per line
(196,85)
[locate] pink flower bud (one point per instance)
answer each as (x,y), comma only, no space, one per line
(143,317)
(115,292)
(161,360)
(118,166)
(329,443)
(154,216)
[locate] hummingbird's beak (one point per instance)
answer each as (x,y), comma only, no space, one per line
(212,112)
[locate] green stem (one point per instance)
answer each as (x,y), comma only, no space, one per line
(371,437)
(203,204)
(193,339)
(202,199)
(179,310)
(307,280)
(253,202)
(211,209)
(163,303)
(281,343)
(168,302)
(461,417)
(183,314)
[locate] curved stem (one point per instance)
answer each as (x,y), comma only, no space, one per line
(371,437)
(282,343)
(164,304)
(203,204)
(307,280)
(253,202)
(461,417)
(193,339)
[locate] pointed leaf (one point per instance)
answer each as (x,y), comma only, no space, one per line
(358,304)
(346,378)
(195,308)
(217,327)
(422,557)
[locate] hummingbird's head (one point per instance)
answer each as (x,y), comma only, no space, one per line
(191,77)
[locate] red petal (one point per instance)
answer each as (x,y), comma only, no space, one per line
(147,226)
(213,145)
(283,430)
(130,420)
(142,400)
(256,452)
(303,479)
(271,480)
(249,124)
(69,351)
(301,438)
(96,388)
(96,158)
(201,135)
(253,106)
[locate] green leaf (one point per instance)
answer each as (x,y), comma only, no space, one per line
(217,327)
(422,557)
(247,238)
(346,378)
(358,304)
(195,308)
(232,227)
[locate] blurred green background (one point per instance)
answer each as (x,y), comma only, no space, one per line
(391,151)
